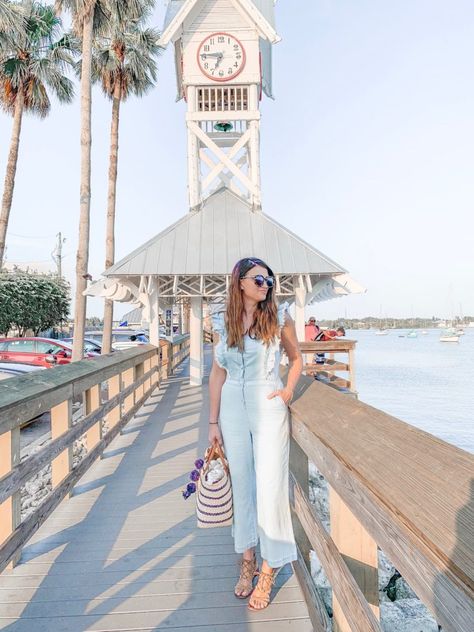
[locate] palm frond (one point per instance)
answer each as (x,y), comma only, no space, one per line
(126,53)
(11,17)
(38,61)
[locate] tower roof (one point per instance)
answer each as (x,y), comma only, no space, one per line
(212,239)
(261,12)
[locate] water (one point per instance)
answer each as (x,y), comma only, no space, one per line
(427,383)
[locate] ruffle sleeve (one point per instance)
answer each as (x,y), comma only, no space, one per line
(282,311)
(217,313)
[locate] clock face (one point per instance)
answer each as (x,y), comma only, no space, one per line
(221,57)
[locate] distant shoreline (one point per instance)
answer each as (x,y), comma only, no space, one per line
(370,322)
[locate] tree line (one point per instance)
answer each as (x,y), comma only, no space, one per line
(110,44)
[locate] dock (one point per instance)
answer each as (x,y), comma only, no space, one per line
(114,546)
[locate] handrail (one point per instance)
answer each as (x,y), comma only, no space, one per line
(126,378)
(390,485)
(330,366)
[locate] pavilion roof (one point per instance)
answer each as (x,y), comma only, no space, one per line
(209,241)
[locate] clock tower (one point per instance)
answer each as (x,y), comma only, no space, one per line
(223,67)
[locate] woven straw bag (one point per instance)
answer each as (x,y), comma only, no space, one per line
(214,500)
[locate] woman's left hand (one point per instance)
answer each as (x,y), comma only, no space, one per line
(285,393)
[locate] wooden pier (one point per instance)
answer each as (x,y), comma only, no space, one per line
(124,553)
(114,546)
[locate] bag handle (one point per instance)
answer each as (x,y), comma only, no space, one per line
(215,449)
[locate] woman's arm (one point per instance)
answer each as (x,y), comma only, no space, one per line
(291,346)
(217,378)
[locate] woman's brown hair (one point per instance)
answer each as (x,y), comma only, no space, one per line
(265,325)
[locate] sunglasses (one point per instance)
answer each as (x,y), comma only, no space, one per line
(259,280)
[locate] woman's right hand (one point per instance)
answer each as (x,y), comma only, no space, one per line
(215,433)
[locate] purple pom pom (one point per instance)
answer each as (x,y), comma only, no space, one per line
(186,494)
(194,476)
(191,487)
(199,463)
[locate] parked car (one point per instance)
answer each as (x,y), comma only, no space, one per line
(90,346)
(121,338)
(39,351)
(14,369)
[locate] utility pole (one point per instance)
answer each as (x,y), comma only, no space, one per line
(57,254)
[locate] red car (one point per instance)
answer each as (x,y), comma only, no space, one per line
(39,351)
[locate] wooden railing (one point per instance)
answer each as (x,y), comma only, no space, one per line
(333,363)
(171,354)
(112,388)
(390,485)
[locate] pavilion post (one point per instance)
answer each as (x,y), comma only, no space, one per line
(154,312)
(196,341)
(300,303)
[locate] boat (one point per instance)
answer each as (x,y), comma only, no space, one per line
(381,332)
(459,332)
(449,335)
(412,334)
(449,338)
(424,333)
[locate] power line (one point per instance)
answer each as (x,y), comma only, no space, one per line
(31,236)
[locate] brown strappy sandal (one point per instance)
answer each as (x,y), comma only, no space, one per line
(248,570)
(264,587)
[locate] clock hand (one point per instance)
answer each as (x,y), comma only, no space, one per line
(206,55)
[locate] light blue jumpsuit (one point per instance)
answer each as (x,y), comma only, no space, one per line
(255,431)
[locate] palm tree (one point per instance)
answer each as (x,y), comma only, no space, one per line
(124,63)
(87,16)
(33,61)
(10,17)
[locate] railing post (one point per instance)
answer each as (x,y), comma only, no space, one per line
(300,470)
(155,362)
(91,403)
(114,388)
(352,370)
(147,367)
(61,422)
(359,551)
(128,378)
(10,509)
(139,372)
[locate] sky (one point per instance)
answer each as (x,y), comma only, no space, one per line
(367,153)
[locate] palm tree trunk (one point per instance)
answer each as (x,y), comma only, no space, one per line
(82,257)
(110,234)
(10,173)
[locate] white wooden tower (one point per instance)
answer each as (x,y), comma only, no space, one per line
(223,61)
(223,67)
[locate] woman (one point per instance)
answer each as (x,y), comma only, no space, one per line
(249,406)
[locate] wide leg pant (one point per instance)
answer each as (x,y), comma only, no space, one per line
(255,431)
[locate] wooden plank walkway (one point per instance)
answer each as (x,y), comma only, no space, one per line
(124,553)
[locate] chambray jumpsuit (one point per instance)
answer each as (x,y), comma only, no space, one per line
(255,431)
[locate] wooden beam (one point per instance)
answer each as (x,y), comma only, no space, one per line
(61,422)
(114,385)
(406,487)
(355,607)
(10,509)
(22,472)
(228,115)
(12,545)
(23,398)
(222,156)
(316,608)
(92,402)
(359,551)
(240,144)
